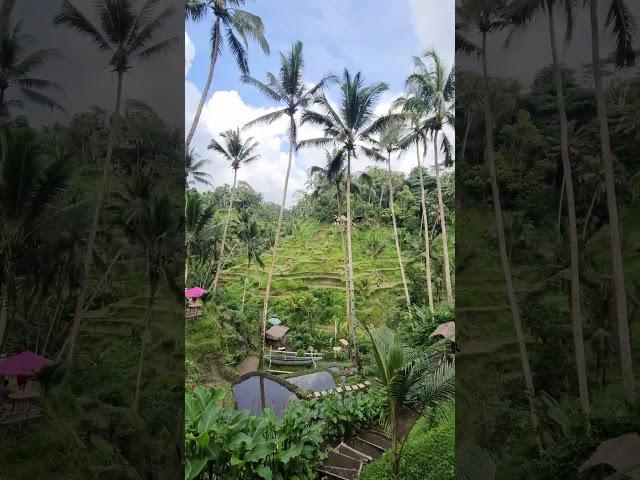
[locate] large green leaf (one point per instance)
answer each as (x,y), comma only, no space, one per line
(260,452)
(194,466)
(208,417)
(290,452)
(264,472)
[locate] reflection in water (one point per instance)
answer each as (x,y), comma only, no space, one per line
(315,382)
(257,393)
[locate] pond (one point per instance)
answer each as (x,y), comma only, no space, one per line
(315,382)
(257,393)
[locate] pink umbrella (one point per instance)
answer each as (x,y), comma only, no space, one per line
(25,363)
(194,292)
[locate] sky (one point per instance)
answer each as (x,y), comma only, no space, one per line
(377,37)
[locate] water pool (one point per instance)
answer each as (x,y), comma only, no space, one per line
(315,382)
(257,393)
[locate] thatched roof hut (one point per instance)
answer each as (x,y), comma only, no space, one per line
(276,333)
(445,330)
(620,453)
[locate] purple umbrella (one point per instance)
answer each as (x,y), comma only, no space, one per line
(25,363)
(194,292)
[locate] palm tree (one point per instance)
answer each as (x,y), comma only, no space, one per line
(290,89)
(238,152)
(439,87)
(353,123)
(193,169)
(30,186)
(415,109)
(409,381)
(486,15)
(16,70)
(124,35)
(389,141)
(152,226)
(235,23)
(525,11)
(620,17)
(250,234)
(197,218)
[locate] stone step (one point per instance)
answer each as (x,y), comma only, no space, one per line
(337,473)
(367,449)
(374,439)
(345,449)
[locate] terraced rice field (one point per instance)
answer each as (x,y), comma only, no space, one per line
(312,258)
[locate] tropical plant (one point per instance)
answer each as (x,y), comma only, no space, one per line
(193,170)
(238,152)
(289,88)
(197,217)
(250,235)
(622,22)
(235,22)
(349,128)
(124,36)
(438,85)
(17,68)
(524,11)
(411,383)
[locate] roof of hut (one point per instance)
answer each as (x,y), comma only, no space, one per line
(621,453)
(276,332)
(446,330)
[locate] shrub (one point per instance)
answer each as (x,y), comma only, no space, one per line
(429,454)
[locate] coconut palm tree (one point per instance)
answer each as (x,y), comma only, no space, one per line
(415,108)
(410,382)
(438,85)
(523,12)
(487,16)
(193,169)
(125,36)
(154,229)
(30,186)
(349,127)
(250,235)
(238,152)
(621,20)
(235,23)
(388,141)
(288,88)
(17,68)
(197,217)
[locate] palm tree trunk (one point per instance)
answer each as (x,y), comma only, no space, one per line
(267,291)
(352,300)
(590,211)
(147,324)
(246,282)
(8,298)
(394,440)
(497,209)
(560,203)
(466,132)
(614,225)
(207,85)
(443,225)
(91,241)
(346,266)
(224,233)
(576,314)
(396,239)
(425,225)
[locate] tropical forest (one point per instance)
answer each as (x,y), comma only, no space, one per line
(319,326)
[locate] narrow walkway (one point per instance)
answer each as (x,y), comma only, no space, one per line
(249,364)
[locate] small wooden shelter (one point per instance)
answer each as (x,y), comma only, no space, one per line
(620,454)
(277,335)
(445,330)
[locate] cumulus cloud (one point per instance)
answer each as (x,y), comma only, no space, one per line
(433,23)
(189,53)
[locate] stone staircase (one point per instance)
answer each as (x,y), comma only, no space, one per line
(345,461)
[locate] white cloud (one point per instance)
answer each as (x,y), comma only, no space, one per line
(189,53)
(433,23)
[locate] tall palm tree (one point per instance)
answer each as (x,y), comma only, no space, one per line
(525,11)
(235,23)
(193,170)
(487,16)
(197,217)
(250,235)
(438,85)
(623,25)
(124,36)
(288,88)
(411,383)
(238,152)
(389,141)
(17,68)
(349,127)
(30,187)
(415,108)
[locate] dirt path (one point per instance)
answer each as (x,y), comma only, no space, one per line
(249,364)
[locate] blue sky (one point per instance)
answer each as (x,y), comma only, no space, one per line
(377,37)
